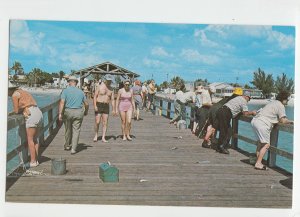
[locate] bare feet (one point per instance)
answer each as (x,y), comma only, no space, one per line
(124,138)
(104,140)
(129,138)
(95,138)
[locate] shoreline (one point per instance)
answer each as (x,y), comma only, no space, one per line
(41,90)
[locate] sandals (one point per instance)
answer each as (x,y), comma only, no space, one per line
(261,168)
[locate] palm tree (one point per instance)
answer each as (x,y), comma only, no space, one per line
(17,67)
(263,82)
(284,84)
(176,82)
(35,76)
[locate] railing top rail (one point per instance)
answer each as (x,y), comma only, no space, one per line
(16,120)
(282,127)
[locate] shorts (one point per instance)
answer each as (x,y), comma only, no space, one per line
(103,108)
(262,130)
(150,97)
(35,119)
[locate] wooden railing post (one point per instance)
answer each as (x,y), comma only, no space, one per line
(235,132)
(23,140)
(50,119)
(161,106)
(169,110)
(153,105)
(273,142)
(192,117)
(41,137)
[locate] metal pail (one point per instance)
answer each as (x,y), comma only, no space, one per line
(58,166)
(182,126)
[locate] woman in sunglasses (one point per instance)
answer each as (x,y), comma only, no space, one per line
(125,104)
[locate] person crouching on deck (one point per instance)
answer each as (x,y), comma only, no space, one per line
(24,103)
(263,123)
(75,105)
(198,105)
(125,104)
(103,96)
(230,110)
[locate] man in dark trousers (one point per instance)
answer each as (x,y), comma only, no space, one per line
(74,104)
(224,115)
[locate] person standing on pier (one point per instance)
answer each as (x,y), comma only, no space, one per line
(24,103)
(230,110)
(104,95)
(125,104)
(144,94)
(206,98)
(137,94)
(72,107)
(198,105)
(263,123)
(151,93)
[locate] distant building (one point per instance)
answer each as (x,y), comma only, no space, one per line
(222,89)
(255,93)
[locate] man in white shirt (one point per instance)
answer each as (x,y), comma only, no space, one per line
(181,100)
(204,110)
(224,115)
(263,123)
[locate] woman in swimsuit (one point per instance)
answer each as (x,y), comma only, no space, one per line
(125,104)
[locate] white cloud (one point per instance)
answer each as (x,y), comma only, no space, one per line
(194,56)
(24,40)
(152,63)
(221,33)
(87,44)
(160,51)
(80,60)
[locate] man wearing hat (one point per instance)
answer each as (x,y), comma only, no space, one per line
(103,96)
(73,106)
(230,110)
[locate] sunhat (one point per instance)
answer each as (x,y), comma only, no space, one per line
(72,78)
(238,91)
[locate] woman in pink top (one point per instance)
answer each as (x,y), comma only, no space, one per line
(126,106)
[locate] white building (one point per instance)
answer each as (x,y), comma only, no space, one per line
(222,89)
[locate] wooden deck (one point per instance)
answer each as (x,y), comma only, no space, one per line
(175,172)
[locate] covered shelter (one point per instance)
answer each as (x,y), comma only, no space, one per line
(106,68)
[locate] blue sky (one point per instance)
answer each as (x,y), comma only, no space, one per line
(215,52)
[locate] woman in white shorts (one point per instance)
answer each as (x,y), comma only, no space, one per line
(24,103)
(263,122)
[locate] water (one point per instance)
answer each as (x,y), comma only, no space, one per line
(285,140)
(13,134)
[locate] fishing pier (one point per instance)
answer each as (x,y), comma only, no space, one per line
(162,166)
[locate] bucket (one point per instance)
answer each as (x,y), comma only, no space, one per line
(252,158)
(182,126)
(58,166)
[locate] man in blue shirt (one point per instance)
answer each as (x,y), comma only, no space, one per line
(73,106)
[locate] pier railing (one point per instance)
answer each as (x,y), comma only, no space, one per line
(273,151)
(17,123)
